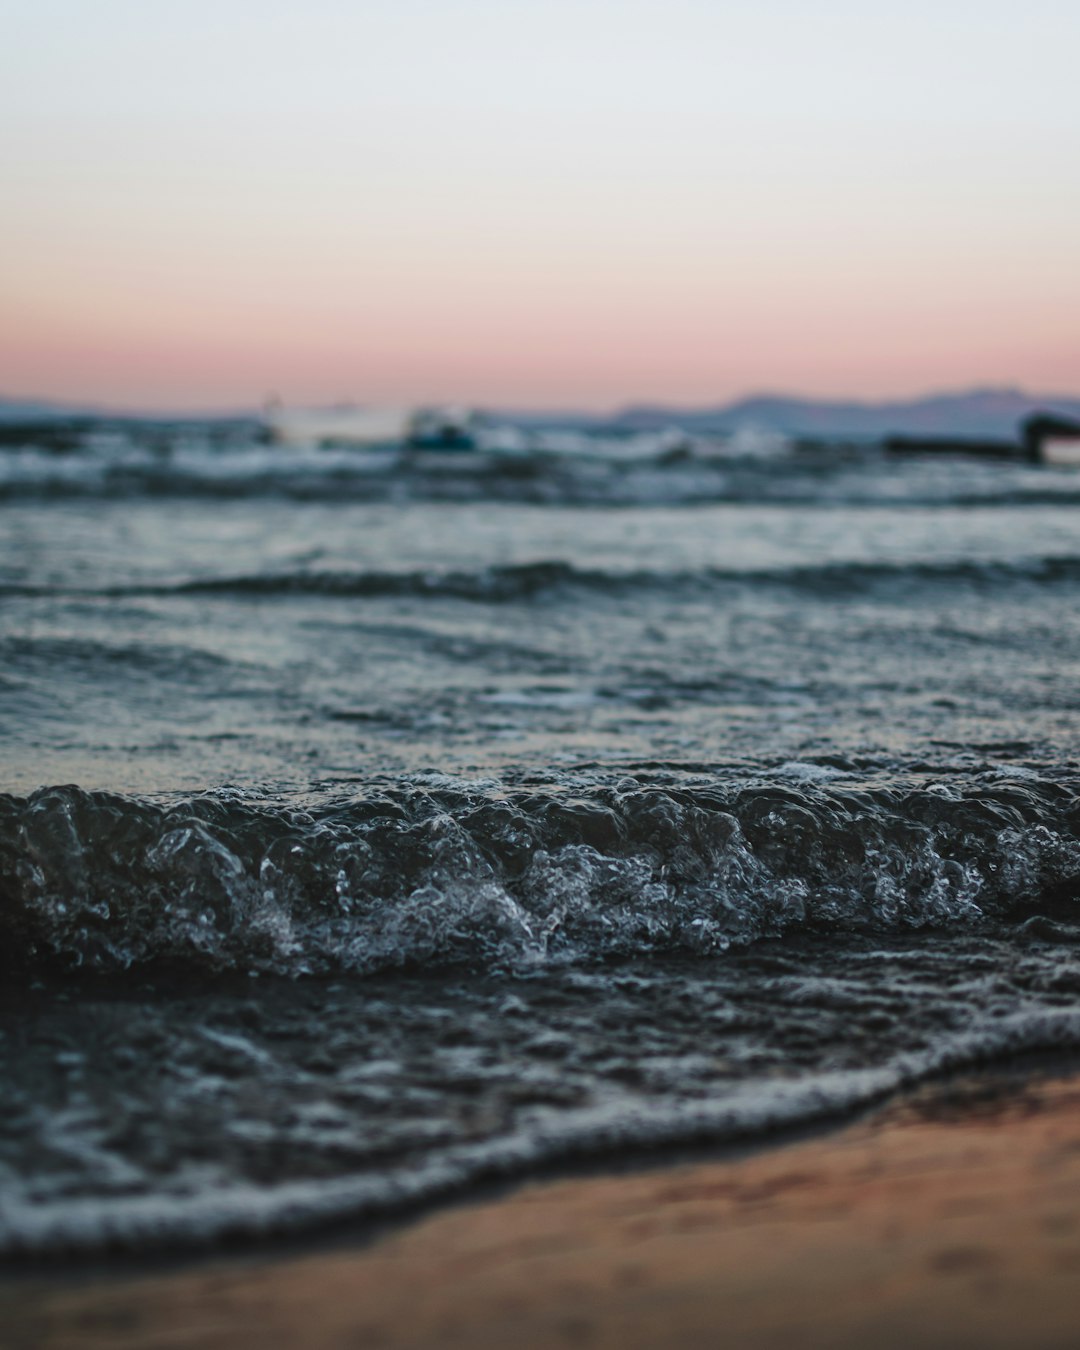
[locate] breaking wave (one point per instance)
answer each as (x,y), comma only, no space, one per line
(413,875)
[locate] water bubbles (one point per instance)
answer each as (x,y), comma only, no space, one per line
(487,876)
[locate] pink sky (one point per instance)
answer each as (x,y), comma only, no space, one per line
(582,205)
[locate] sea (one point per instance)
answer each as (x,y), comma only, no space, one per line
(379,825)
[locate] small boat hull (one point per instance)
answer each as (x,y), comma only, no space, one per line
(1061,452)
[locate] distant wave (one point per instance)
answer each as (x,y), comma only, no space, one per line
(512,582)
(577,468)
(522,581)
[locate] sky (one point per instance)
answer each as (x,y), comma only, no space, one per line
(536,203)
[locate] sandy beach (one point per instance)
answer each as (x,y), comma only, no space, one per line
(949,1218)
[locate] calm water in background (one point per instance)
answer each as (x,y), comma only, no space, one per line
(375,827)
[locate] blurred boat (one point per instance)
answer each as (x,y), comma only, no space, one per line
(429,428)
(1052,439)
(452,429)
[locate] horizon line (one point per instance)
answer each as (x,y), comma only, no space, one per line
(61,407)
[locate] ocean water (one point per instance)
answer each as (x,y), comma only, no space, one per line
(374,825)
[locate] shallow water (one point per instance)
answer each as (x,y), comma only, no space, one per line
(376,826)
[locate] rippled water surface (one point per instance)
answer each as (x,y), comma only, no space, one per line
(376,825)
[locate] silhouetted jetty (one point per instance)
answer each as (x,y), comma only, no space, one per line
(1044,438)
(954,445)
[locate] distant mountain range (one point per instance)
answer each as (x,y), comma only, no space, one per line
(975,413)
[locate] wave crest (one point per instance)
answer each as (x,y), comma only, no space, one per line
(513,582)
(408,875)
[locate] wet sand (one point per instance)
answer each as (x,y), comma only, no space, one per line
(951,1218)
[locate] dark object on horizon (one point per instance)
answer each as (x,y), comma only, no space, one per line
(953,445)
(1051,439)
(59,435)
(442,429)
(1044,438)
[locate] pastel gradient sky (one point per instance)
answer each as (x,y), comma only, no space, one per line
(536,202)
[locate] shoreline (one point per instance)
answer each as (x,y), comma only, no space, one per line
(950,1214)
